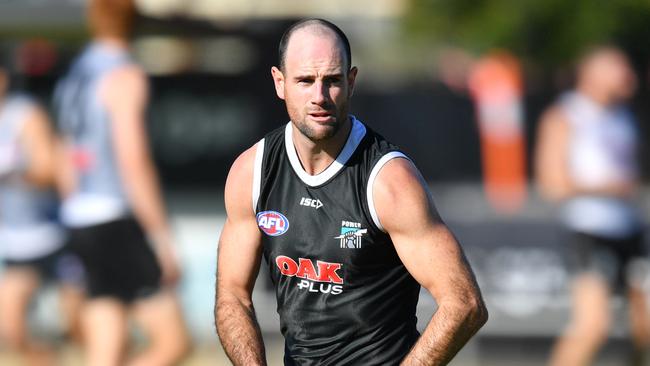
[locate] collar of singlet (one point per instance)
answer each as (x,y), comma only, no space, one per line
(357,133)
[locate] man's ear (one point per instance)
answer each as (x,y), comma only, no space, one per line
(352,77)
(278,80)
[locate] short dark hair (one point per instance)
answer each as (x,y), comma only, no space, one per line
(284,41)
(111,17)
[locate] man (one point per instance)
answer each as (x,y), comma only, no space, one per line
(31,242)
(112,200)
(586,161)
(346,225)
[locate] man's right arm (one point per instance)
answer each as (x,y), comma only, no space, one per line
(239,258)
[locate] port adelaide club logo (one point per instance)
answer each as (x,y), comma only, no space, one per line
(272,223)
(351,235)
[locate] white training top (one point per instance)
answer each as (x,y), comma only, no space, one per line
(28,229)
(602,151)
(99,196)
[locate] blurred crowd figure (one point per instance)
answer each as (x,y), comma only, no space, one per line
(586,161)
(31,241)
(111,201)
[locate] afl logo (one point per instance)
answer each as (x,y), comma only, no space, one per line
(272,223)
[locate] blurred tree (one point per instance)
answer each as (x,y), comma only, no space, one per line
(550,32)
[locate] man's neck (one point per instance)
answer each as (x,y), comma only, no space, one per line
(597,95)
(316,156)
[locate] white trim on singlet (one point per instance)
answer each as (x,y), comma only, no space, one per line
(257,173)
(357,133)
(371,181)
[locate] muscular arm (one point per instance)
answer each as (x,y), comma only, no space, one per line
(238,264)
(125,93)
(433,257)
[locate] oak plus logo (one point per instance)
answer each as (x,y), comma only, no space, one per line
(322,277)
(311,202)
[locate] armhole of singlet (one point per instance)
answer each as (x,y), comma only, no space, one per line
(257,173)
(371,182)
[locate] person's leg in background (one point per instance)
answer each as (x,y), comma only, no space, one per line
(161,319)
(71,300)
(639,320)
(589,325)
(104,329)
(637,280)
(18,285)
(70,276)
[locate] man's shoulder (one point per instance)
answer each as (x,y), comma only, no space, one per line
(126,75)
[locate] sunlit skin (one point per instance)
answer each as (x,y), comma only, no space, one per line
(3,83)
(607,77)
(316,86)
(316,83)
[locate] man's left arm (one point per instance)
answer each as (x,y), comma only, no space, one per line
(433,257)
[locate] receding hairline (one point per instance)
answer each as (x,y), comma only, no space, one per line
(315,26)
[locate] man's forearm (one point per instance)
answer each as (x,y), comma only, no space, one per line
(239,332)
(448,331)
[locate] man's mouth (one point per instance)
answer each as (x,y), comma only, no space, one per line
(320,116)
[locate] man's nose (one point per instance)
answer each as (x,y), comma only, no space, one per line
(319,93)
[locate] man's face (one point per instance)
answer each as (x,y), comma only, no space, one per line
(611,72)
(622,78)
(315,83)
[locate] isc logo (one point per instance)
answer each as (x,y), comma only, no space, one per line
(311,202)
(272,223)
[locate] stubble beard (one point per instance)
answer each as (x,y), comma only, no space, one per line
(306,129)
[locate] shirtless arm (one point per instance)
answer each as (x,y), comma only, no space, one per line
(433,257)
(238,264)
(125,93)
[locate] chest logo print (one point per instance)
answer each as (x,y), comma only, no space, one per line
(311,202)
(351,235)
(272,223)
(322,277)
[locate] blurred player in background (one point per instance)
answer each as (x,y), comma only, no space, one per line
(112,199)
(347,227)
(586,160)
(31,241)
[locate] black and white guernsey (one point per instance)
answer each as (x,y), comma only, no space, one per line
(344,297)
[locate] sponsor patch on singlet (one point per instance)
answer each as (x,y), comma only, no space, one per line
(272,223)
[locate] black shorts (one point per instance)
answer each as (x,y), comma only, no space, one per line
(608,257)
(62,266)
(118,260)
